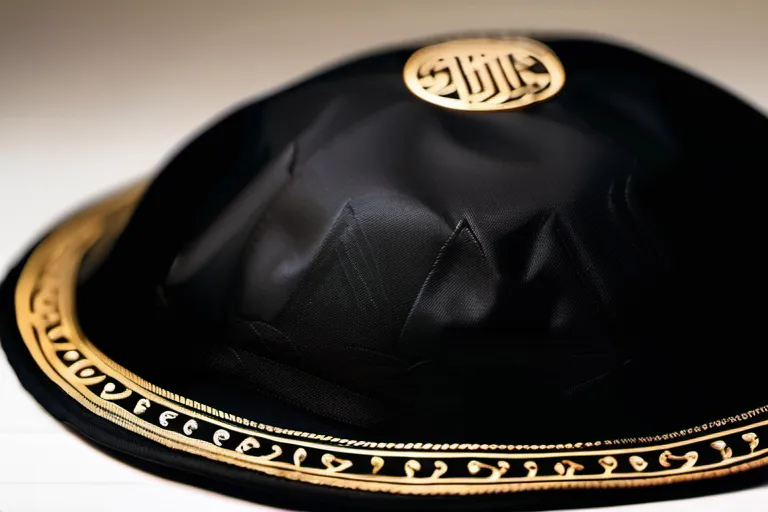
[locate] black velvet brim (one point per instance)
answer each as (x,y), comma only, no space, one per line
(179,466)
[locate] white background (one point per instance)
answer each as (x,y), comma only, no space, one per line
(93,94)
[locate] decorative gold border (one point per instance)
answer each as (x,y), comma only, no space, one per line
(48,324)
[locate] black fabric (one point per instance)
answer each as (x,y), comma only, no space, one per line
(191,469)
(345,256)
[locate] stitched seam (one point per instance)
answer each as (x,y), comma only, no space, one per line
(351,260)
(586,282)
(440,256)
(368,245)
(308,278)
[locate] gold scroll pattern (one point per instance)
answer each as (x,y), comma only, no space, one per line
(44,301)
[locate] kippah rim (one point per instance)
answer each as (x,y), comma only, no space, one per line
(47,321)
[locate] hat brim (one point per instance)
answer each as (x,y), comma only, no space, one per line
(107,403)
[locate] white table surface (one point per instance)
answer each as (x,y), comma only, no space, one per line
(93,94)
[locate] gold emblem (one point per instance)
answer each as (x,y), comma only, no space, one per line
(484,74)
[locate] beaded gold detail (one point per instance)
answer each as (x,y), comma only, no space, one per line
(752,439)
(689,459)
(166,417)
(141,406)
(220,436)
(190,427)
(609,464)
(725,452)
(638,463)
(248,444)
(376,464)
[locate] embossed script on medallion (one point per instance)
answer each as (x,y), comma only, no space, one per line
(484,74)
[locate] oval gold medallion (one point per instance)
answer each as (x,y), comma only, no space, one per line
(484,74)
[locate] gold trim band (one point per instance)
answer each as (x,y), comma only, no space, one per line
(45,310)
